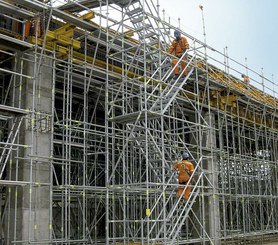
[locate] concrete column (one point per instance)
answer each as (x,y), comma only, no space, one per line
(29,216)
(210,163)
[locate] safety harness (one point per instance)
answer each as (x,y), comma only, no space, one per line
(178,43)
(185,169)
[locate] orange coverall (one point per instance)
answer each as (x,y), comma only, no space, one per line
(185,169)
(32,25)
(177,48)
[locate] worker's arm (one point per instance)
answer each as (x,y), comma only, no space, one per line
(191,169)
(171,48)
(175,165)
(185,43)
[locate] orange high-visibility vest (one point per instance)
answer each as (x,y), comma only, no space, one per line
(28,25)
(185,169)
(178,47)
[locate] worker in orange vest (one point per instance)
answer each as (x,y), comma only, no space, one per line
(32,27)
(185,169)
(28,25)
(177,48)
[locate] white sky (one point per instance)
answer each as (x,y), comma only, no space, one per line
(246,27)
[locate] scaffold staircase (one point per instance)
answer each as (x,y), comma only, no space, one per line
(140,120)
(170,92)
(180,210)
(151,34)
(153,39)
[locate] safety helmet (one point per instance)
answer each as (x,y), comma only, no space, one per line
(176,33)
(185,155)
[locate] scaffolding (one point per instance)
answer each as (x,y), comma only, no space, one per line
(92,120)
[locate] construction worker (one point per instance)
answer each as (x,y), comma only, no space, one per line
(28,25)
(185,169)
(245,79)
(177,48)
(32,27)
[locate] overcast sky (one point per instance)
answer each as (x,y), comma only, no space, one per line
(247,27)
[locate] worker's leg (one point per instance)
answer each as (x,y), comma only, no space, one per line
(180,190)
(187,193)
(176,70)
(183,65)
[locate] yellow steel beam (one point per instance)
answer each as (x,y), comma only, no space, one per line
(62,40)
(67,33)
(65,28)
(88,16)
(129,33)
(51,46)
(64,34)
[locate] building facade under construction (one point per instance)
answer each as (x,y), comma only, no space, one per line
(92,120)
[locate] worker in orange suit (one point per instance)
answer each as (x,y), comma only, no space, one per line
(185,169)
(28,25)
(32,27)
(177,48)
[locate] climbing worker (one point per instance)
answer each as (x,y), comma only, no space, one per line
(245,79)
(33,27)
(177,48)
(27,28)
(185,170)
